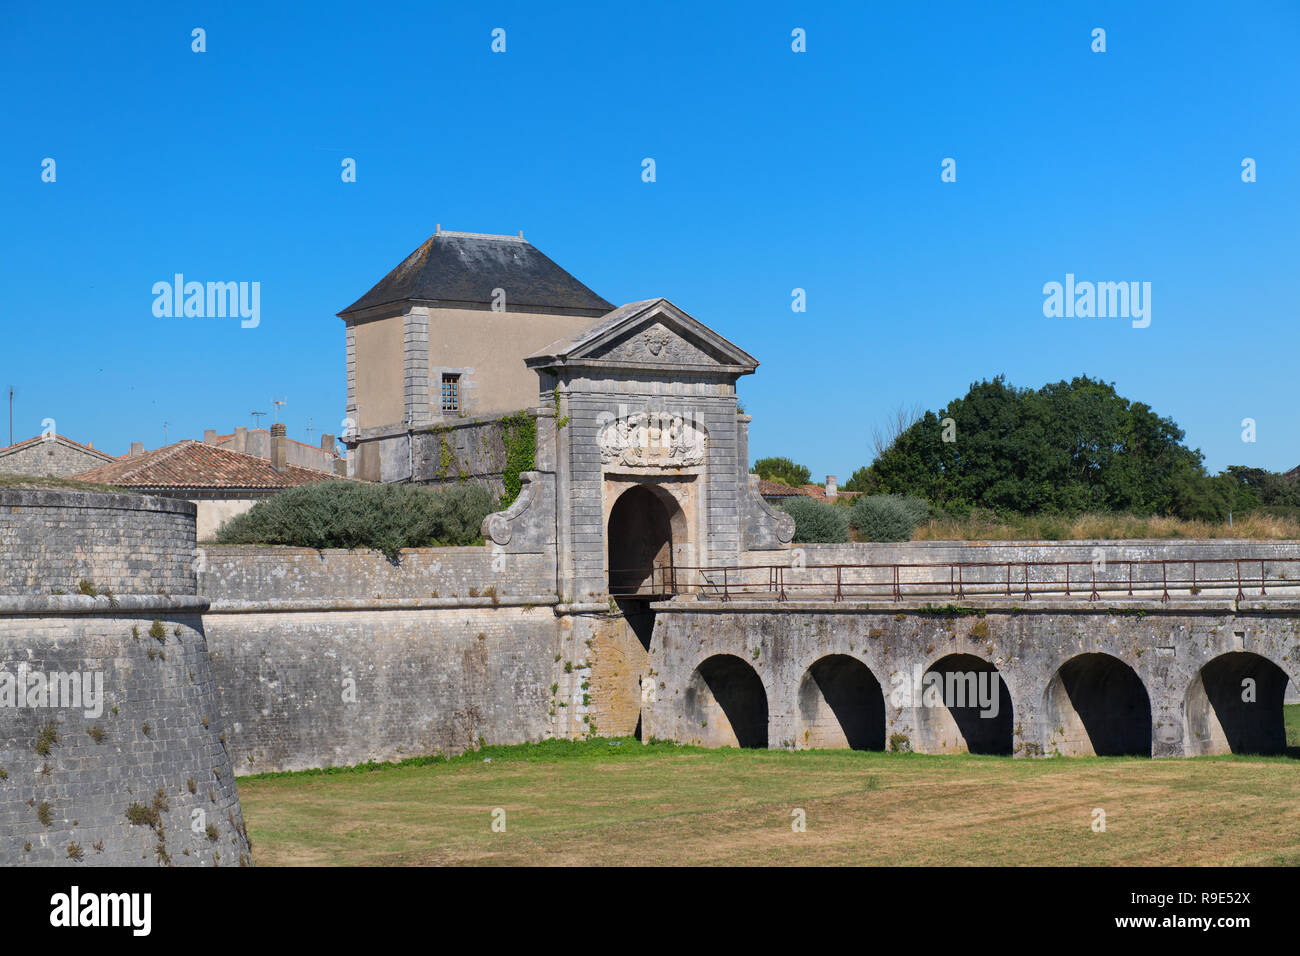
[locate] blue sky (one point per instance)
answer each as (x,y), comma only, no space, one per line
(775,170)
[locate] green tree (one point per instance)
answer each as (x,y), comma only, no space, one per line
(781,470)
(1064,448)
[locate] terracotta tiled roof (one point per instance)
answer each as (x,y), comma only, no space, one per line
(67,441)
(774,489)
(194,465)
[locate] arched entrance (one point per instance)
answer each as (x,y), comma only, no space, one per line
(646,525)
(640,538)
(1097,704)
(964,706)
(1234,705)
(725,704)
(840,706)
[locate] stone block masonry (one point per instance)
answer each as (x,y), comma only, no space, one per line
(51,540)
(71,778)
(142,776)
(52,457)
(332,658)
(267,578)
(336,688)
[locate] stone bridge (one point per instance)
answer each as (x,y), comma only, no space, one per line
(992,675)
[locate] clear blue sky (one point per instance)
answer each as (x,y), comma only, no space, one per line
(776,170)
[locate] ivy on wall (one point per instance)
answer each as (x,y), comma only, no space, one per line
(519,433)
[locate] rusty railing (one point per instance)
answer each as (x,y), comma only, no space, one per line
(961,579)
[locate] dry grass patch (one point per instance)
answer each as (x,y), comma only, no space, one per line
(632,805)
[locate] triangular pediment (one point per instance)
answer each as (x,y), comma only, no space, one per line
(653,334)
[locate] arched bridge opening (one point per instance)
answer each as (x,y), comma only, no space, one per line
(1095,704)
(840,705)
(1234,705)
(962,705)
(725,704)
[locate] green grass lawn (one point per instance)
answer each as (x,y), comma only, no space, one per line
(615,802)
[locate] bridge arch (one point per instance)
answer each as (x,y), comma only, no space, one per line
(1234,705)
(963,706)
(840,705)
(725,704)
(1095,704)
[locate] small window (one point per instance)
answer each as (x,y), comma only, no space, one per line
(450,393)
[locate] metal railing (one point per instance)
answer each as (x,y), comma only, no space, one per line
(1020,579)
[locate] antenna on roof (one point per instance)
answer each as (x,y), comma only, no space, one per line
(165,424)
(278,402)
(310,429)
(257,418)
(11,414)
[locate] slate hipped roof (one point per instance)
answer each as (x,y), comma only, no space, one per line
(463,268)
(193,466)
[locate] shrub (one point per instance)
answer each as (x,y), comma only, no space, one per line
(337,514)
(815,522)
(887,517)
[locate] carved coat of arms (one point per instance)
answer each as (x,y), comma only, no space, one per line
(653,439)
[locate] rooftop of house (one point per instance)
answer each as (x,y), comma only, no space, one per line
(192,465)
(222,439)
(89,449)
(462,269)
(774,489)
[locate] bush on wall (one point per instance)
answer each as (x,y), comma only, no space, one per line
(887,517)
(339,514)
(815,522)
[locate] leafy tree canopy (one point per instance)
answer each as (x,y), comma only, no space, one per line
(1064,448)
(782,470)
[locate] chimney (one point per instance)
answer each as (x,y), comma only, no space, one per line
(241,437)
(279,447)
(137,448)
(327,443)
(209,436)
(831,490)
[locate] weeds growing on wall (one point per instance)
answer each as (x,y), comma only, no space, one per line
(336,514)
(519,432)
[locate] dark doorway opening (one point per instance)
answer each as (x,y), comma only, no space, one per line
(640,540)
